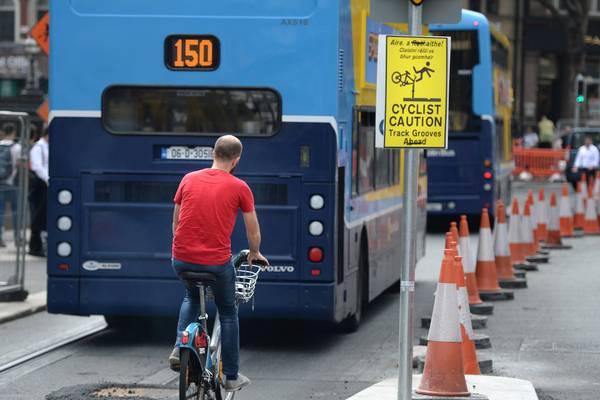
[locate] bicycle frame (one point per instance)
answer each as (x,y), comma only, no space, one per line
(214,342)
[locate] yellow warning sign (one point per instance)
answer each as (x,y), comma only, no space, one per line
(412,91)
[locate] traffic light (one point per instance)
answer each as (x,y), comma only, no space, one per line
(580,95)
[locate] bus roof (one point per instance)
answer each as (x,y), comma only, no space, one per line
(291,47)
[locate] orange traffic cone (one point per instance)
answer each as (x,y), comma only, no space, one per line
(584,184)
(470,363)
(596,189)
(516,240)
(476,305)
(554,239)
(590,224)
(444,374)
(566,213)
(455,236)
(541,217)
(579,207)
(532,246)
(533,217)
(487,280)
(504,269)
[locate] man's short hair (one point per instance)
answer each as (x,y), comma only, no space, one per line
(227,148)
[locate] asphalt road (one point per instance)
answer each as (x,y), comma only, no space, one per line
(548,335)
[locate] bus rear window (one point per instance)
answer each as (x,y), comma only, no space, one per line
(465,56)
(191,111)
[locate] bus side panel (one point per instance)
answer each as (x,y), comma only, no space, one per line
(455,176)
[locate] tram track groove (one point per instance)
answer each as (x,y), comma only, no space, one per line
(38,349)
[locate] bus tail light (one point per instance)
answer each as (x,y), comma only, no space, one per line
(487,175)
(487,163)
(185,338)
(315,272)
(63,267)
(315,254)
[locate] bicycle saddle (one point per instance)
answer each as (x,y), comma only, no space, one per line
(197,277)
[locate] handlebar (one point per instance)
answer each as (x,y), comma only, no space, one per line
(242,257)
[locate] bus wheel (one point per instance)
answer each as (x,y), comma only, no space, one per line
(352,322)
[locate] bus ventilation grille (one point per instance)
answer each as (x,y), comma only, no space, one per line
(341,70)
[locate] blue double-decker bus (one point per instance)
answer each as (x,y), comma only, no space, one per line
(475,170)
(139,92)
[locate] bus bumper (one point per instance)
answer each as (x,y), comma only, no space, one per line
(162,298)
(457,205)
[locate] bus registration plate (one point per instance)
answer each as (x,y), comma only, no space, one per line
(186,153)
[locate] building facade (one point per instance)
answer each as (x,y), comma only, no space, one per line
(23,66)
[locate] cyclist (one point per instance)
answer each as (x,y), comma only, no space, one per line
(206,206)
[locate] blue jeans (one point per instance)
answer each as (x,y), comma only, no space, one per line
(224,291)
(8,193)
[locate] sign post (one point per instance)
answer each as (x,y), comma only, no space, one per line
(412,114)
(409,255)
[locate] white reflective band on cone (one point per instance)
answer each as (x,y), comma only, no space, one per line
(445,325)
(590,210)
(554,224)
(464,313)
(526,232)
(514,229)
(542,216)
(467,255)
(533,217)
(501,240)
(579,204)
(565,207)
(485,250)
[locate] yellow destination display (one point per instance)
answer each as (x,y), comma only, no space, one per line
(416,92)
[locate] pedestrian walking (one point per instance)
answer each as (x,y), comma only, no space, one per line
(530,138)
(587,159)
(546,130)
(9,156)
(38,193)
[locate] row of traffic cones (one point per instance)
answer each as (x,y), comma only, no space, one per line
(519,245)
(463,286)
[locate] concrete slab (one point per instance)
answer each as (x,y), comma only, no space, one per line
(12,310)
(494,387)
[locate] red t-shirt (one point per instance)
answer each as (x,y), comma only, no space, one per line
(210,200)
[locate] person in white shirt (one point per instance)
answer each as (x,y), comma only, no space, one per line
(10,151)
(530,139)
(38,193)
(587,159)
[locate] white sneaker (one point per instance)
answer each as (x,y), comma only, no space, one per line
(237,384)
(174,359)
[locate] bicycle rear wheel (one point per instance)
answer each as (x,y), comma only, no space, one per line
(190,381)
(220,392)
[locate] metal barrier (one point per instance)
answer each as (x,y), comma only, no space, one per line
(14,192)
(539,162)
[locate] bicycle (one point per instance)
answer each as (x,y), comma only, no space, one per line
(200,371)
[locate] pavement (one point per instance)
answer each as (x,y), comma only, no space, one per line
(493,387)
(35,282)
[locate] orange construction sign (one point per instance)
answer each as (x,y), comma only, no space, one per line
(41,33)
(42,111)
